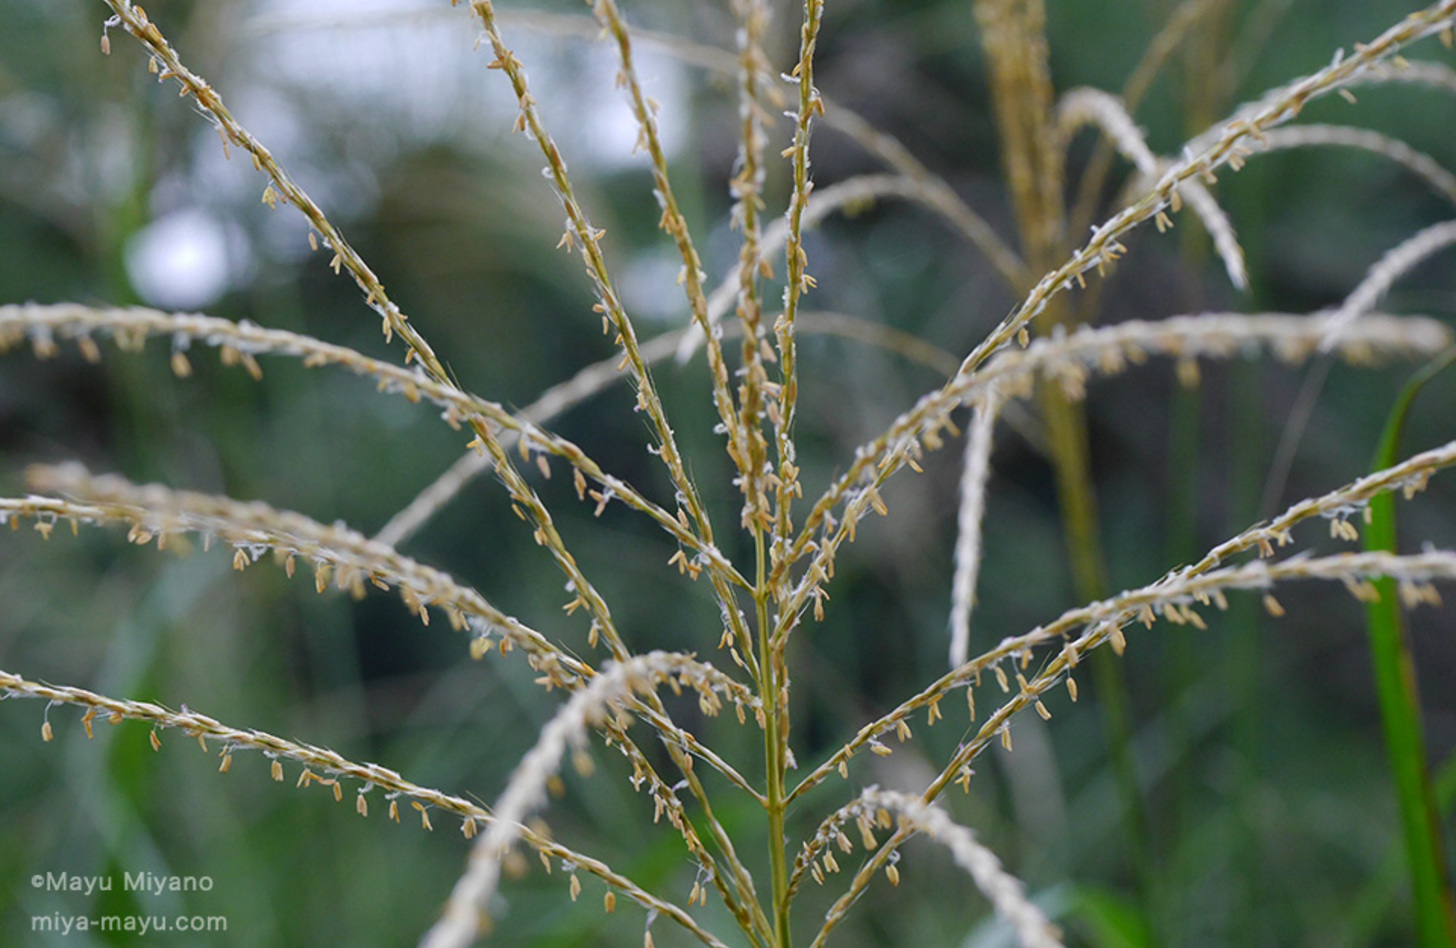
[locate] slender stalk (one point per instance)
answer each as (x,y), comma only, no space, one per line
(1015,42)
(768,689)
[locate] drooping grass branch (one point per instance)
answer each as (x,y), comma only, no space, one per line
(605,696)
(1396,263)
(1442,181)
(1174,32)
(975,472)
(329,769)
(1101,109)
(1101,623)
(1069,361)
(349,559)
(1337,506)
(872,810)
(338,555)
(1225,143)
(242,343)
(167,65)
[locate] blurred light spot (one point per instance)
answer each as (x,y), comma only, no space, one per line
(185,260)
(648,284)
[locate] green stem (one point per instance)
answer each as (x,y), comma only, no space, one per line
(1243,667)
(1067,437)
(1400,709)
(768,690)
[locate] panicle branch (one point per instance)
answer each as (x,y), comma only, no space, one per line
(1442,181)
(165,64)
(673,222)
(1382,276)
(336,552)
(605,696)
(872,810)
(243,342)
(784,402)
(1069,360)
(1105,111)
(975,472)
(1175,30)
(1173,598)
(1102,623)
(931,190)
(327,767)
(1425,72)
(1171,595)
(580,230)
(740,290)
(1202,159)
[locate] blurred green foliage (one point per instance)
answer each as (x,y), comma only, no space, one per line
(1258,742)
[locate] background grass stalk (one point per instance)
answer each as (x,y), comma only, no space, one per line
(1014,38)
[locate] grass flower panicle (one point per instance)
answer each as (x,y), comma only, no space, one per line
(733,803)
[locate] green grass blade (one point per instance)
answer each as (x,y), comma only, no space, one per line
(1395,681)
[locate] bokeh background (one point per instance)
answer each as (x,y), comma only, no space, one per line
(1267,814)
